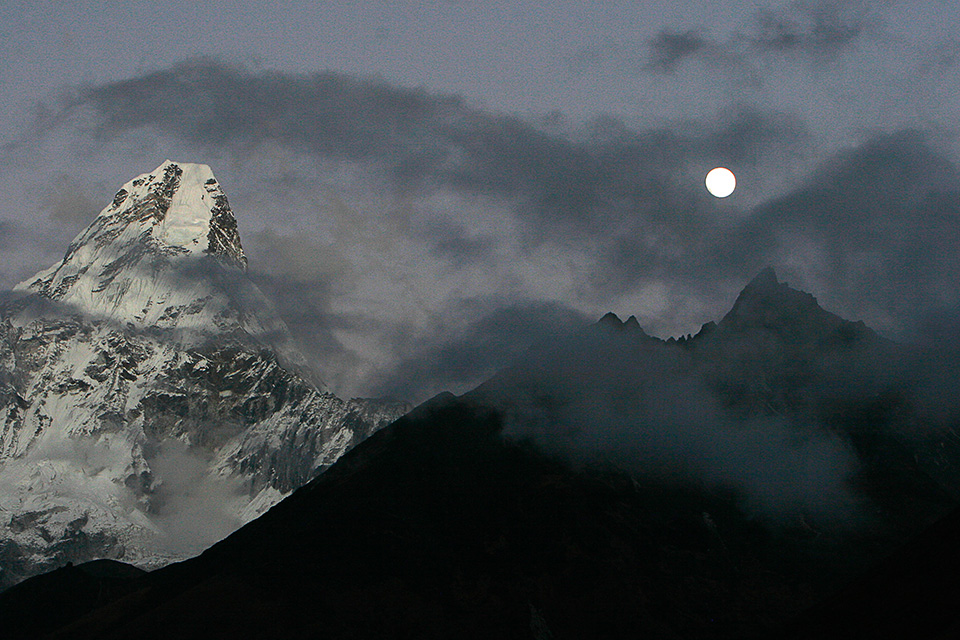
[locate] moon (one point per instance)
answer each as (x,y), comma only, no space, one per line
(721,182)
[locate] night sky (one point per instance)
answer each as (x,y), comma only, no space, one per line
(427,190)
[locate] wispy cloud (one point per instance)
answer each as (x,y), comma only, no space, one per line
(609,395)
(496,335)
(817,31)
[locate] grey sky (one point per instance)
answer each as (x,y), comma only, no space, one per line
(407,177)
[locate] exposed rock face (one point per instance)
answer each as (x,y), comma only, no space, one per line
(150,400)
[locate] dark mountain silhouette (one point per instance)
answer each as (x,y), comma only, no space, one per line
(608,485)
(50,600)
(438,528)
(915,593)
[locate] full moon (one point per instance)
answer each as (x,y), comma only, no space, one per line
(721,182)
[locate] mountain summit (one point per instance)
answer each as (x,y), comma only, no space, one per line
(767,301)
(177,209)
(142,260)
(787,316)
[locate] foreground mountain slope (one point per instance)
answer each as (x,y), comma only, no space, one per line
(915,593)
(150,400)
(435,527)
(49,601)
(608,485)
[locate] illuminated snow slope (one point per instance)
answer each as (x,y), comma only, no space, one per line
(141,260)
(150,400)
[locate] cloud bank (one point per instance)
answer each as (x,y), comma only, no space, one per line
(389,223)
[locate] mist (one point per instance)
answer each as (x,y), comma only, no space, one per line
(192,507)
(621,398)
(385,221)
(808,418)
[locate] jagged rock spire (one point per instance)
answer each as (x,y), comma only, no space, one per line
(766,300)
(765,280)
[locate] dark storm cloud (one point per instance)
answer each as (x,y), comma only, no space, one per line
(619,179)
(589,57)
(69,204)
(669,48)
(18,240)
(741,134)
(423,139)
(410,131)
(452,244)
(637,189)
(875,226)
(940,58)
(461,360)
(653,214)
(9,231)
(746,134)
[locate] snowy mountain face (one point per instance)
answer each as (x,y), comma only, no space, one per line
(150,400)
(143,259)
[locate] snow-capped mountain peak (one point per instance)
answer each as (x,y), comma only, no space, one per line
(146,382)
(148,258)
